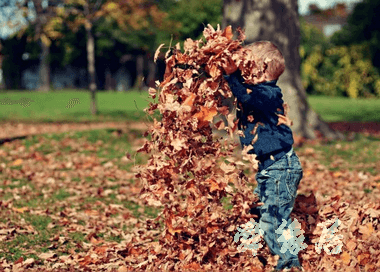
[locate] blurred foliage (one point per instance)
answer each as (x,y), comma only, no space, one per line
(336,70)
(194,15)
(363,27)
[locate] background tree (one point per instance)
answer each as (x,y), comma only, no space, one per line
(278,21)
(142,25)
(130,21)
(363,27)
(84,13)
(37,15)
(194,16)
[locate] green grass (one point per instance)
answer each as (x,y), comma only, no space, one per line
(51,107)
(129,106)
(336,109)
(362,154)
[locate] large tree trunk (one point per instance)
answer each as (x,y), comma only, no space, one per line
(44,68)
(41,19)
(278,22)
(91,69)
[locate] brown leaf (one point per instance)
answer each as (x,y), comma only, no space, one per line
(47,255)
(189,101)
(228,33)
(17,162)
(283,120)
(250,118)
(346,258)
(20,210)
(206,114)
(152,92)
(192,266)
(158,52)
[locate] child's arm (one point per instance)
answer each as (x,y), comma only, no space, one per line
(258,98)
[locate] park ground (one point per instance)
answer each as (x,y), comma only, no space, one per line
(69,200)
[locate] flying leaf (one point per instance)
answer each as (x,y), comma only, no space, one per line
(206,114)
(17,162)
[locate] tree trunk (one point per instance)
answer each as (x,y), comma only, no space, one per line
(41,19)
(139,84)
(91,69)
(44,68)
(109,84)
(278,22)
(2,81)
(151,73)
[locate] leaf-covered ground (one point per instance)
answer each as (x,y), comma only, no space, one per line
(69,202)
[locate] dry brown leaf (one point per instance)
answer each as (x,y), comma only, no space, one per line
(346,258)
(158,52)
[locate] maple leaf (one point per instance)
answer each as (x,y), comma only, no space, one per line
(228,32)
(178,143)
(229,66)
(205,115)
(189,101)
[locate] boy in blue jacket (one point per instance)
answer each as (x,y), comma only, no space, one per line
(261,113)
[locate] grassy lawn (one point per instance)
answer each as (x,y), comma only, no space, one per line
(72,105)
(335,109)
(122,106)
(61,192)
(65,188)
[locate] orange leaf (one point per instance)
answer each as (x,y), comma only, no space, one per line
(17,162)
(189,101)
(228,32)
(283,120)
(211,229)
(20,210)
(213,71)
(229,66)
(363,258)
(91,212)
(220,125)
(181,256)
(101,249)
(213,185)
(206,114)
(192,266)
(346,258)
(366,230)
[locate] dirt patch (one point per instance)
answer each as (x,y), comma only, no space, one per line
(372,128)
(11,130)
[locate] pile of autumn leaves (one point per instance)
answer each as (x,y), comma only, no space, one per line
(189,171)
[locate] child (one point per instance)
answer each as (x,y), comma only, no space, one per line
(280,170)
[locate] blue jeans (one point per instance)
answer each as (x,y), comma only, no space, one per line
(277,189)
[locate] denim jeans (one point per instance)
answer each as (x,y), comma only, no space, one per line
(277,189)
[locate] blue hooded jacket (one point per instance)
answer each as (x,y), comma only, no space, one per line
(257,113)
